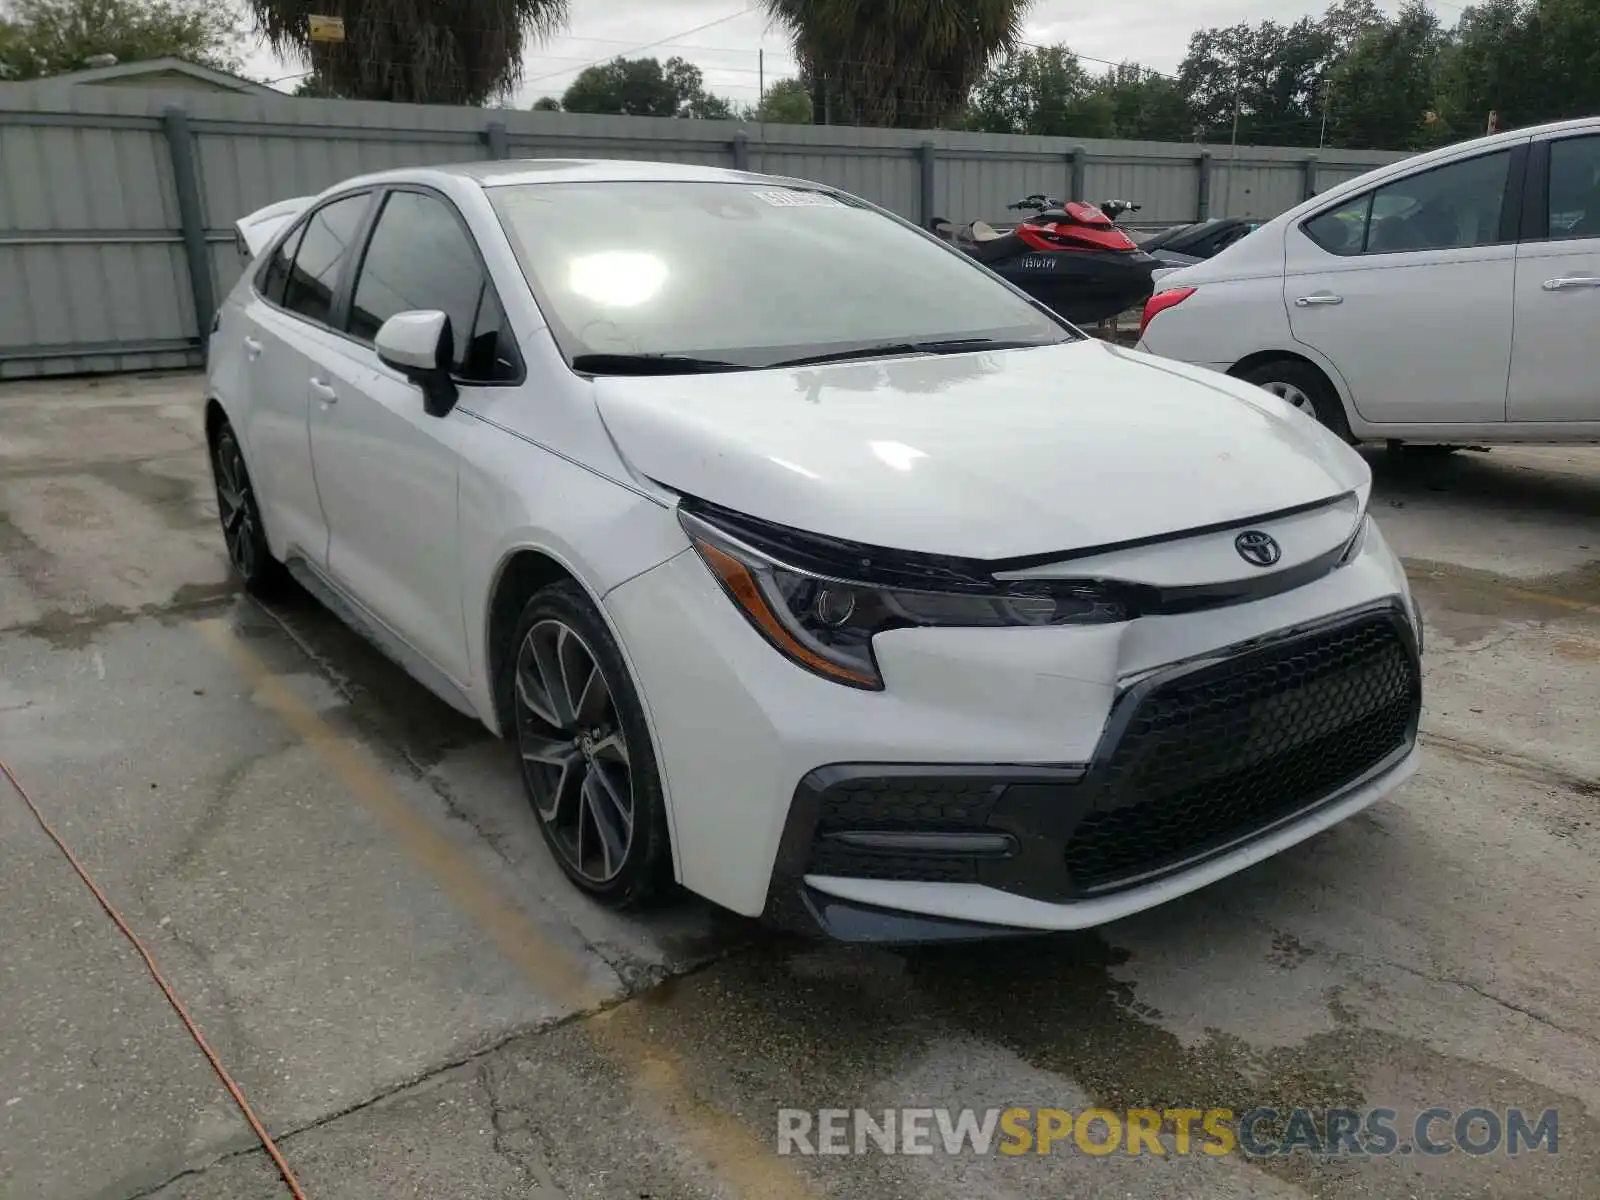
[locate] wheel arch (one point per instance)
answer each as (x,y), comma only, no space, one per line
(1310,358)
(522,570)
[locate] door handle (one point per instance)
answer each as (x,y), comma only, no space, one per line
(252,349)
(1318,298)
(1571,281)
(324,392)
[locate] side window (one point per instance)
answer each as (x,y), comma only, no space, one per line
(421,257)
(1442,209)
(1341,230)
(321,255)
(1575,188)
(275,274)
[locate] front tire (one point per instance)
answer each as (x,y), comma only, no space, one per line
(1300,385)
(588,764)
(240,515)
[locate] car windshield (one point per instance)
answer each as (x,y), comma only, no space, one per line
(699,276)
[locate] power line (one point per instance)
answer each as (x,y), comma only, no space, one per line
(749,8)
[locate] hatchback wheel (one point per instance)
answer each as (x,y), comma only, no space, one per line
(587,762)
(1302,386)
(242,530)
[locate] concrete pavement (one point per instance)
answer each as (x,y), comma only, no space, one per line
(339,876)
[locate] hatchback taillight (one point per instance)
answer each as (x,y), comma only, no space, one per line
(1162,301)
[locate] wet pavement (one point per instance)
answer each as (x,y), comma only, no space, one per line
(339,877)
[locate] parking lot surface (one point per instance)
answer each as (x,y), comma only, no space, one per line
(339,878)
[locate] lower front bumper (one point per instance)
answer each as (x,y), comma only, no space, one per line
(1203,768)
(870,910)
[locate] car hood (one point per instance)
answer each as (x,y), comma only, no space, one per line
(988,455)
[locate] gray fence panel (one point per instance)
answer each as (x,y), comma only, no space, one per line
(94,274)
(1167,191)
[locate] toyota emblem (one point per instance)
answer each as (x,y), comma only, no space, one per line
(1257,548)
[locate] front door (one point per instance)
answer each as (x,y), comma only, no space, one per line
(386,470)
(1555,357)
(1407,290)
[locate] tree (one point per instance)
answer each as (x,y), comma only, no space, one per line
(645,87)
(1270,74)
(547,104)
(908,64)
(1040,90)
(50,37)
(1528,60)
(1380,93)
(414,51)
(1145,104)
(787,102)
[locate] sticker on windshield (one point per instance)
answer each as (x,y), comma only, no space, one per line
(794,198)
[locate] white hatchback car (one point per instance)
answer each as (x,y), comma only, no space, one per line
(1450,297)
(804,560)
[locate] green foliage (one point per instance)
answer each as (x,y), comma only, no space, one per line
(787,102)
(52,37)
(414,51)
(547,104)
(645,87)
(900,63)
(1380,93)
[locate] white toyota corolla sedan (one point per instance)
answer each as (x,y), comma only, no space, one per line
(804,561)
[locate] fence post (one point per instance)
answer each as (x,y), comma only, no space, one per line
(741,151)
(928,157)
(1075,158)
(1308,185)
(192,219)
(1203,187)
(496,138)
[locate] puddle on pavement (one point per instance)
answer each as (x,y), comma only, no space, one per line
(1465,604)
(796,1024)
(381,700)
(177,500)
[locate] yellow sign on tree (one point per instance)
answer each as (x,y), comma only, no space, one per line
(326,29)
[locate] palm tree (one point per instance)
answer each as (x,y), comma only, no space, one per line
(414,51)
(905,63)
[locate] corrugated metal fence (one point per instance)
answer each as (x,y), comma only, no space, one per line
(117,204)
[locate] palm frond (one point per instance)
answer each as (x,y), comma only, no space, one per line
(419,51)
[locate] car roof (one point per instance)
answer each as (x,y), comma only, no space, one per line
(507,172)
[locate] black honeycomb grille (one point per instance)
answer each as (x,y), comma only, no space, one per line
(918,803)
(1229,750)
(913,802)
(834,858)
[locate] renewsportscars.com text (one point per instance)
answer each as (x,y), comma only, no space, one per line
(1257,1133)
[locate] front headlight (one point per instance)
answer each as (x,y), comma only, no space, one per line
(825,621)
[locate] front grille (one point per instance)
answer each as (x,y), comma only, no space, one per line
(1224,752)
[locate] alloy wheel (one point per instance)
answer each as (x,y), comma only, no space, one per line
(574,753)
(1292,396)
(235,504)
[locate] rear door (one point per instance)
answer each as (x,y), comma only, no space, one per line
(1407,290)
(285,331)
(1555,358)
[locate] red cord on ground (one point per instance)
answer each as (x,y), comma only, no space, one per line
(267,1143)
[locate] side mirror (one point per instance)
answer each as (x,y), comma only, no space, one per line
(420,345)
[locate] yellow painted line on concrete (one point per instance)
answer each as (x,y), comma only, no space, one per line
(745,1162)
(554,970)
(735,1155)
(1545,598)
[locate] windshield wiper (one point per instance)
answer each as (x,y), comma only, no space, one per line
(651,364)
(889,349)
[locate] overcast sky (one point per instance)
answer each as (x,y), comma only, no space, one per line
(724,42)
